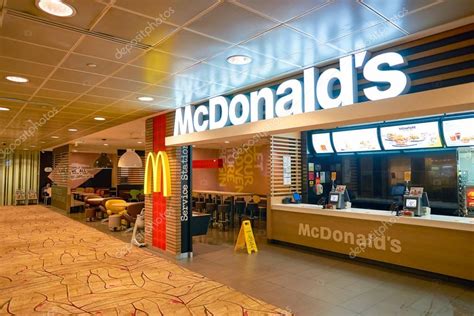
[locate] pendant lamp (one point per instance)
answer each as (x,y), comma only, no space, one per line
(103,162)
(130,159)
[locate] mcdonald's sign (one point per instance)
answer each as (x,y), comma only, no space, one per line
(157,167)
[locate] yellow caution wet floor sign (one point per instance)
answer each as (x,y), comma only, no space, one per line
(246,238)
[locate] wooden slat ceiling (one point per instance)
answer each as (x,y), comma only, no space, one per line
(183,60)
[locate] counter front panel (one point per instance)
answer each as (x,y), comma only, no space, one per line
(395,240)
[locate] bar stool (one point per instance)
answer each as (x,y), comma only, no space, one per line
(211,208)
(223,215)
(251,210)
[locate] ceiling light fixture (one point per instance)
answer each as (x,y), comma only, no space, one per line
(145,99)
(55,137)
(56,8)
(72,129)
(130,159)
(17,79)
(98,118)
(139,142)
(239,60)
(226,142)
(91,65)
(4,109)
(106,144)
(103,162)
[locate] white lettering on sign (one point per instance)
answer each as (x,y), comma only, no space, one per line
(370,240)
(315,91)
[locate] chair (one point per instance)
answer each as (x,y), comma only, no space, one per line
(240,208)
(102,211)
(251,210)
(211,208)
(32,196)
(223,215)
(115,210)
(134,195)
(131,214)
(20,196)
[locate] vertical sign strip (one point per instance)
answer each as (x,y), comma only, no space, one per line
(186,207)
(159,201)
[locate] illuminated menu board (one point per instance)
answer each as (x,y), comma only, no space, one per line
(322,143)
(459,132)
(411,136)
(356,140)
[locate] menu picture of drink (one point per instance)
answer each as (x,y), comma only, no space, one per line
(322,143)
(411,136)
(356,140)
(459,132)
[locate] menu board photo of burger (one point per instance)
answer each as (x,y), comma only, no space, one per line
(459,132)
(411,136)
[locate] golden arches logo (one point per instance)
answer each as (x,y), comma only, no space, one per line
(157,167)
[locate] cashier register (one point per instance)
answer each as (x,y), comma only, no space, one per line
(417,202)
(338,197)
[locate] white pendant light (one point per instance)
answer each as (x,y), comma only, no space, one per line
(130,159)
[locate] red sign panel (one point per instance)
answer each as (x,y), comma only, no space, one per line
(159,201)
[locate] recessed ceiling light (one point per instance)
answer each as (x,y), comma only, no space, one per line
(239,60)
(98,118)
(139,142)
(55,137)
(4,109)
(92,65)
(17,79)
(32,146)
(42,142)
(72,129)
(145,99)
(56,8)
(227,142)
(74,150)
(106,144)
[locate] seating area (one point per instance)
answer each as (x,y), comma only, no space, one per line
(228,209)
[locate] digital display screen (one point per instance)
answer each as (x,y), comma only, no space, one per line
(411,136)
(459,132)
(334,198)
(411,203)
(322,143)
(356,140)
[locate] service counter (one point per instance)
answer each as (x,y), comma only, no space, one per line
(434,243)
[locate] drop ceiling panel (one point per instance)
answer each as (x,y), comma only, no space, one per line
(179,11)
(34,82)
(231,23)
(164,62)
(192,45)
(95,99)
(48,101)
(381,33)
(16,88)
(108,93)
(79,77)
(66,86)
(122,84)
(137,28)
(37,33)
(81,62)
(336,19)
(159,91)
(417,15)
(282,10)
(141,74)
(39,54)
(48,93)
(15,66)
(88,11)
(113,51)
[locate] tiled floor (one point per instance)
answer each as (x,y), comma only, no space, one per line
(308,283)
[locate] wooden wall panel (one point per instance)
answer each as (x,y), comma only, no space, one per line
(148,198)
(279,147)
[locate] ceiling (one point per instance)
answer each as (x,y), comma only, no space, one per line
(175,51)
(130,135)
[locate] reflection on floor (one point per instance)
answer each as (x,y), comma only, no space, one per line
(308,283)
(52,265)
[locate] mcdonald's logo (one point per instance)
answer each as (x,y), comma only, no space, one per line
(157,167)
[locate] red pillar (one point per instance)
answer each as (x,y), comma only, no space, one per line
(159,201)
